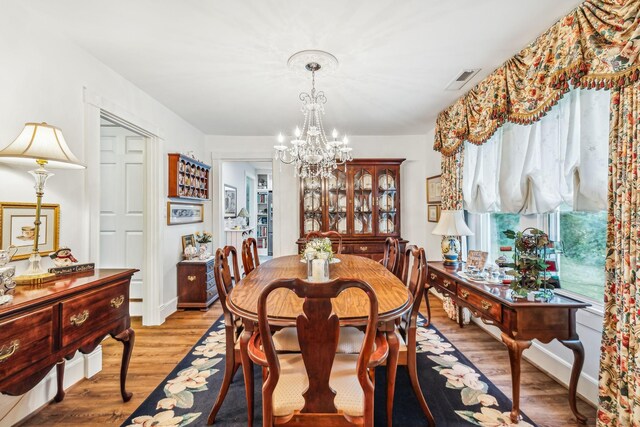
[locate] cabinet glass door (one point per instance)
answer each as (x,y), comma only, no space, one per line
(363,200)
(337,201)
(312,204)
(387,200)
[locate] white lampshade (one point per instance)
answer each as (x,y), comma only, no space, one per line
(40,141)
(243,213)
(452,224)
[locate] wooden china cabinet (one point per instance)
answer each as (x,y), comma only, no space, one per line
(360,200)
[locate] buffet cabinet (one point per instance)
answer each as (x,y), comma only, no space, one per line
(188,178)
(196,284)
(45,325)
(360,200)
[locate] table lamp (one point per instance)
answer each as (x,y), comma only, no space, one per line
(244,214)
(451,225)
(41,144)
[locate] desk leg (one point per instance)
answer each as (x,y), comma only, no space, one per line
(578,361)
(247,369)
(516,347)
(460,315)
(127,338)
(392,370)
(60,377)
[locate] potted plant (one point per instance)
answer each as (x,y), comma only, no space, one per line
(529,266)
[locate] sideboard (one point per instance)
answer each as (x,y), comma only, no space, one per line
(45,325)
(520,322)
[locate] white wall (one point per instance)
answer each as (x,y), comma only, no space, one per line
(42,79)
(421,161)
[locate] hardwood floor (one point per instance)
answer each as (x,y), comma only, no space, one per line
(157,350)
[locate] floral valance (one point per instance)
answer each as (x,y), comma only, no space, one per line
(595,46)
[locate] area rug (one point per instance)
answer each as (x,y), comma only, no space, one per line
(458,394)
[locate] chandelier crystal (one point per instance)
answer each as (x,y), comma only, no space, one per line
(310,151)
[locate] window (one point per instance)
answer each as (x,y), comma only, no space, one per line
(583,237)
(581,244)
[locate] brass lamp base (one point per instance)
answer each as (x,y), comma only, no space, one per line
(34,279)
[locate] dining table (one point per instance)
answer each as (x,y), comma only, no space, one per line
(351,306)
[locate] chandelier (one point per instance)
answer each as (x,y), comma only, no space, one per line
(310,151)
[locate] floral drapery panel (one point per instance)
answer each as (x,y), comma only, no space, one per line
(595,46)
(620,358)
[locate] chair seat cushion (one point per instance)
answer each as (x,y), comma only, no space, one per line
(350,340)
(293,381)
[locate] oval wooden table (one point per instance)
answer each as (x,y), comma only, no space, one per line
(284,306)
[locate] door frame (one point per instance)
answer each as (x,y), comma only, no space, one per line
(95,107)
(217,219)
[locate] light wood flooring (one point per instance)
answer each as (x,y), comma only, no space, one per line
(96,401)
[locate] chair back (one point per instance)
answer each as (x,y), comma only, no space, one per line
(391,260)
(250,259)
(318,329)
(222,276)
(333,235)
(414,275)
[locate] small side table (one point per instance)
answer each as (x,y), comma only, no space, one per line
(196,284)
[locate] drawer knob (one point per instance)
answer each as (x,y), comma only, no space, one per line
(485,304)
(7,352)
(209,294)
(364,248)
(191,278)
(464,294)
(446,283)
(433,276)
(117,301)
(80,318)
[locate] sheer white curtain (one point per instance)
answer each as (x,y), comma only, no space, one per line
(534,168)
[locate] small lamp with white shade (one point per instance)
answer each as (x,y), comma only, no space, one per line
(245,215)
(451,225)
(41,144)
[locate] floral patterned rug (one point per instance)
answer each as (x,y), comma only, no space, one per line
(458,394)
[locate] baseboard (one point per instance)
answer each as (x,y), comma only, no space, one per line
(14,409)
(551,364)
(168,308)
(135,308)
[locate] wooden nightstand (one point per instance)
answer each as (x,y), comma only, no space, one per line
(196,284)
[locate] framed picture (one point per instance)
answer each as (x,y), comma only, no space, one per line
(187,240)
(477,259)
(434,189)
(17,228)
(230,201)
(433,213)
(184,213)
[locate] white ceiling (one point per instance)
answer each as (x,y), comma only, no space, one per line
(221,65)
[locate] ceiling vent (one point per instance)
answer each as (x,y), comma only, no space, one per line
(462,78)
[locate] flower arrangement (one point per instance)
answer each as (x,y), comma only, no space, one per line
(529,266)
(319,248)
(204,237)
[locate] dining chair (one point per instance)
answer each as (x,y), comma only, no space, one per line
(318,385)
(250,259)
(232,324)
(391,259)
(414,275)
(333,235)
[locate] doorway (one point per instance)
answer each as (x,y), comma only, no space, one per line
(250,184)
(122,207)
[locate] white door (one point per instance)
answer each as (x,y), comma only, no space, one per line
(121,205)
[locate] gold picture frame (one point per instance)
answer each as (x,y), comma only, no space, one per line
(188,239)
(16,228)
(433,213)
(434,189)
(184,213)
